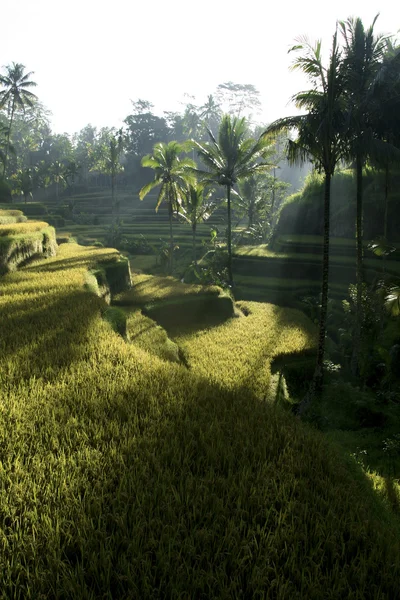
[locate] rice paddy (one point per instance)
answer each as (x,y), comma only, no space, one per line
(155,464)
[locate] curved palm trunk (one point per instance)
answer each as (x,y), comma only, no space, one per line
(230,276)
(8,138)
(318,375)
(359,269)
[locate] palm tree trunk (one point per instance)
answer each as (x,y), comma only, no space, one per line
(318,375)
(359,268)
(171,239)
(8,137)
(112,195)
(385,219)
(230,276)
(194,242)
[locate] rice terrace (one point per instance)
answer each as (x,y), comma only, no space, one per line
(200,342)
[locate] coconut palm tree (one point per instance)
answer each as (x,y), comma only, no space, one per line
(211,113)
(57,170)
(198,207)
(319,139)
(15,95)
(232,158)
(172,176)
(363,57)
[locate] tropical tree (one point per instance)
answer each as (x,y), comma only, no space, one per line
(210,113)
(16,95)
(363,59)
(319,138)
(57,171)
(23,182)
(172,175)
(4,144)
(198,207)
(253,200)
(72,170)
(230,159)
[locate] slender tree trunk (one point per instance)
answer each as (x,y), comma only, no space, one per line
(318,375)
(8,138)
(230,276)
(171,239)
(112,194)
(385,219)
(194,242)
(359,268)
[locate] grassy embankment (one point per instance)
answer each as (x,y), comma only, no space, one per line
(125,475)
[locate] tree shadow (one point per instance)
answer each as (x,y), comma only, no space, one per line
(191,491)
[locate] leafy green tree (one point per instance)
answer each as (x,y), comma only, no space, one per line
(23,182)
(198,207)
(232,158)
(172,176)
(16,95)
(319,137)
(253,200)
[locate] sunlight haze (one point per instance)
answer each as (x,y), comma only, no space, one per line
(90,59)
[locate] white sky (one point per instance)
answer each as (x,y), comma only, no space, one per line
(91,57)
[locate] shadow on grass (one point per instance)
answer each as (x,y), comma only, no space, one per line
(185,490)
(61,263)
(41,337)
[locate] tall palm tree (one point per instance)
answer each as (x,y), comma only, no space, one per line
(114,152)
(211,113)
(198,207)
(171,175)
(15,95)
(363,55)
(57,171)
(232,158)
(319,140)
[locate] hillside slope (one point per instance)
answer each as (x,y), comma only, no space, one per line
(123,475)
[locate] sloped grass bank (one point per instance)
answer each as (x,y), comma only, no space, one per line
(176,305)
(11,216)
(22,241)
(126,476)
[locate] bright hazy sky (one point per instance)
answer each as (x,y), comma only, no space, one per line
(90,58)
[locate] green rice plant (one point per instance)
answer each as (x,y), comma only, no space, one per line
(116,317)
(22,228)
(123,475)
(33,239)
(11,216)
(146,334)
(147,289)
